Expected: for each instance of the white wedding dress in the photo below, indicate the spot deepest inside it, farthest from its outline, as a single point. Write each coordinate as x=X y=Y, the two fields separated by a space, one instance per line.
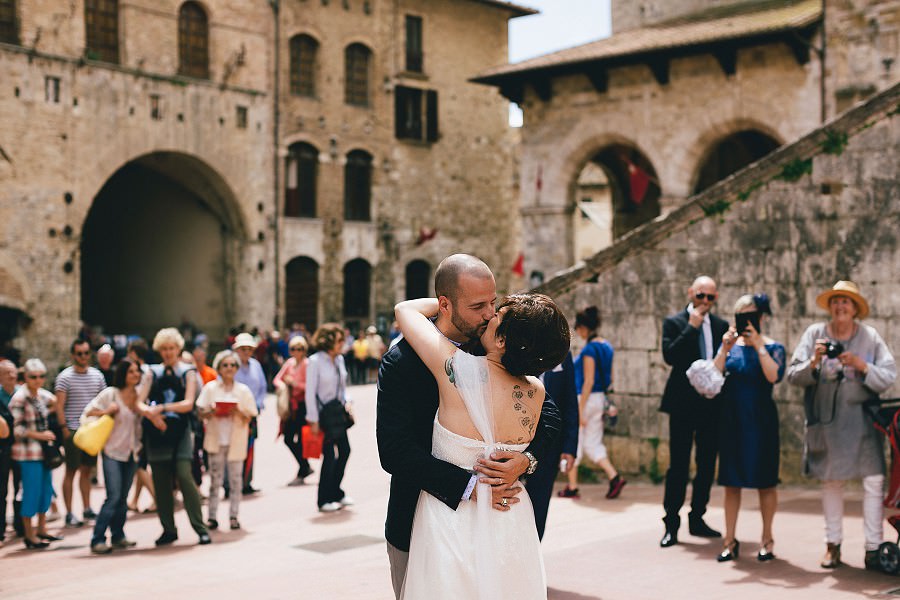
x=474 y=551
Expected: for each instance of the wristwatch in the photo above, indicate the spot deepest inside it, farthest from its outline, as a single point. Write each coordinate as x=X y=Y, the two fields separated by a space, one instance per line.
x=532 y=463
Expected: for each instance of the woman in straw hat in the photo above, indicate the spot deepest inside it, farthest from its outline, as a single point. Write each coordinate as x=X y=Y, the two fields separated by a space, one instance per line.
x=842 y=363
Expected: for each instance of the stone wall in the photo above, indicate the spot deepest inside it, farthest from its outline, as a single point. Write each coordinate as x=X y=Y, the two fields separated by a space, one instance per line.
x=824 y=208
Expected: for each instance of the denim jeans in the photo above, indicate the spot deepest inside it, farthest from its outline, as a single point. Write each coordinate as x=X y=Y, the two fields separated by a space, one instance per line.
x=117 y=477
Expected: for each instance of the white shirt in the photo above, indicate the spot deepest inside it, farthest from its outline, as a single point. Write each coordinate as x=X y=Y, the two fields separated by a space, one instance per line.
x=706 y=328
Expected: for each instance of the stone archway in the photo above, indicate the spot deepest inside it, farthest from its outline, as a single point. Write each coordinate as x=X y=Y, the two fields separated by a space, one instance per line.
x=730 y=154
x=616 y=190
x=159 y=246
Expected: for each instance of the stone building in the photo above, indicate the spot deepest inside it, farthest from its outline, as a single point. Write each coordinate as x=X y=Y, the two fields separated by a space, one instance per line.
x=242 y=162
x=684 y=93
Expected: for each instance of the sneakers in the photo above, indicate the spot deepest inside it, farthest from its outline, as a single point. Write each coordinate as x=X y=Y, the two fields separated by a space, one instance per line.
x=615 y=487
x=568 y=492
x=53 y=515
x=89 y=515
x=123 y=544
x=347 y=501
x=832 y=558
x=100 y=548
x=72 y=521
x=330 y=507
x=204 y=539
x=296 y=481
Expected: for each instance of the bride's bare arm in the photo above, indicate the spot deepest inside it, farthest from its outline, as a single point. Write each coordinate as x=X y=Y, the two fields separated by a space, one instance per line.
x=414 y=319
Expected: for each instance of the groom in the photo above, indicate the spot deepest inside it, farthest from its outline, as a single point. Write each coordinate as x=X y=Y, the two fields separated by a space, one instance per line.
x=408 y=402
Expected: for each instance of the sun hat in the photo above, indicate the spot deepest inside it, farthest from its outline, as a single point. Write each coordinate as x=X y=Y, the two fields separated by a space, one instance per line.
x=848 y=289
x=371 y=329
x=243 y=340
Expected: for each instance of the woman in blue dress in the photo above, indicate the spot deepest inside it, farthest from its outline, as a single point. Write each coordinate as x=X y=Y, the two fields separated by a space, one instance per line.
x=748 y=446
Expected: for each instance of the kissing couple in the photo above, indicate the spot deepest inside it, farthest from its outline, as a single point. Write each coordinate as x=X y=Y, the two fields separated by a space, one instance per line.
x=461 y=417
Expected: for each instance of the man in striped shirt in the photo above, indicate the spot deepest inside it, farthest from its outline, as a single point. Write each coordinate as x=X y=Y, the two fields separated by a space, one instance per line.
x=76 y=386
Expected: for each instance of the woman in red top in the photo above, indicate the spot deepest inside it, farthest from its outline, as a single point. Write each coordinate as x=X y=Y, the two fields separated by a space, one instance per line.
x=293 y=375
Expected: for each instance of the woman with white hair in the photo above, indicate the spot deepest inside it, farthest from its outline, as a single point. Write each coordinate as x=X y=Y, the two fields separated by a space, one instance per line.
x=227 y=407
x=31 y=406
x=170 y=447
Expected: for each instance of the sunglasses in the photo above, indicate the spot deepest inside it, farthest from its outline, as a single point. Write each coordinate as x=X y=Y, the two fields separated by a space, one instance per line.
x=232 y=365
x=82 y=353
x=41 y=376
x=298 y=349
x=710 y=297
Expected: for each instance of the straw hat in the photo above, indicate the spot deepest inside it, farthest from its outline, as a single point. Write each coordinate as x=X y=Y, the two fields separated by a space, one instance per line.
x=243 y=340
x=848 y=289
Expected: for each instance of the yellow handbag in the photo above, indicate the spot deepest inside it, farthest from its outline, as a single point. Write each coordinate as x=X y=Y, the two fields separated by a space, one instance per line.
x=92 y=437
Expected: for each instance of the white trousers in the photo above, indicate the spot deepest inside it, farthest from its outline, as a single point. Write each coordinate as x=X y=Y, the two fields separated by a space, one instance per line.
x=872 y=508
x=590 y=437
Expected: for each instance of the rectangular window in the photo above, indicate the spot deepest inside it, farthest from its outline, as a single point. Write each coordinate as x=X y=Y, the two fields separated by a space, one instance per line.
x=51 y=89
x=9 y=29
x=414 y=51
x=241 y=117
x=101 y=20
x=416 y=114
x=155 y=107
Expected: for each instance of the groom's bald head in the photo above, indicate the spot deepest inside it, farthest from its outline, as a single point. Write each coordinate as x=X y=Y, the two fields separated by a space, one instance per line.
x=454 y=270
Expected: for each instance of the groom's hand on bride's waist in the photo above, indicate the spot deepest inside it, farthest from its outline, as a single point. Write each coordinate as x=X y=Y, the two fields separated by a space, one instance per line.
x=504 y=466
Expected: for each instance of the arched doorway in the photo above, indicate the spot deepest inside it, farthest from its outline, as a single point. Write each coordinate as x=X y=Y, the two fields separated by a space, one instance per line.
x=159 y=247
x=731 y=154
x=357 y=289
x=418 y=279
x=614 y=192
x=301 y=292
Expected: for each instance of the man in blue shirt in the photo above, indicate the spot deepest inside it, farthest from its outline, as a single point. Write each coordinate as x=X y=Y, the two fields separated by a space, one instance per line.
x=252 y=375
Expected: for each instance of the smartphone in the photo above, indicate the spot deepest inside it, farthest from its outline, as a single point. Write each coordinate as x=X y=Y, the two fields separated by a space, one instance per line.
x=741 y=321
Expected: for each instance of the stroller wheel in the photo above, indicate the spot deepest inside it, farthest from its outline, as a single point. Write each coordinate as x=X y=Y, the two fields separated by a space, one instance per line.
x=889 y=558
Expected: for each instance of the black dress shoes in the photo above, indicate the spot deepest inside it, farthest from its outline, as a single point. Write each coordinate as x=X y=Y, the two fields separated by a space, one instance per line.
x=699 y=528
x=669 y=539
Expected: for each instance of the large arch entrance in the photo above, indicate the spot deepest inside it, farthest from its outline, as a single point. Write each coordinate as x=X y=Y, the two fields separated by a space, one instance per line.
x=731 y=154
x=159 y=247
x=614 y=192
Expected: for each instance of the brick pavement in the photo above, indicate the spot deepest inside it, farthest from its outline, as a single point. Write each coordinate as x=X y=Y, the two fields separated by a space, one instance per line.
x=595 y=549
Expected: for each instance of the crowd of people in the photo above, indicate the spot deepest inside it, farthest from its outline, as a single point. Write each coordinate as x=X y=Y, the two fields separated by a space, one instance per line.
x=179 y=417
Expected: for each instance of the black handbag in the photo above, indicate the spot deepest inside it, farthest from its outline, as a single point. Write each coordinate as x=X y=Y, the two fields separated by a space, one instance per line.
x=52 y=456
x=168 y=387
x=334 y=419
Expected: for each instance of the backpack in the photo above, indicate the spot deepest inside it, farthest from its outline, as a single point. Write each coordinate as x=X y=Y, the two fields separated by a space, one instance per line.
x=168 y=386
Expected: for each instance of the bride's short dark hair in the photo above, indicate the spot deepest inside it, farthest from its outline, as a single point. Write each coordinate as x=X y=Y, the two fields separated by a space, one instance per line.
x=536 y=334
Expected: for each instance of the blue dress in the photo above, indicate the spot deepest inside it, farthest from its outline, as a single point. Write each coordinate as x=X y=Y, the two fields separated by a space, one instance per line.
x=748 y=443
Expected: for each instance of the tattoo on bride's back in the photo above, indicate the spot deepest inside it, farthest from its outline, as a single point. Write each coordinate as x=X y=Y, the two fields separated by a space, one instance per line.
x=525 y=418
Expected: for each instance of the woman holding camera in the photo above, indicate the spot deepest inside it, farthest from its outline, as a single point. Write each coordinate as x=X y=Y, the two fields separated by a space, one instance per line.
x=842 y=363
x=749 y=445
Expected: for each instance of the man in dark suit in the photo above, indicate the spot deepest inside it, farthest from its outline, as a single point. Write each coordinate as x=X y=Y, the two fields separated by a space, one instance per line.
x=560 y=385
x=689 y=335
x=408 y=402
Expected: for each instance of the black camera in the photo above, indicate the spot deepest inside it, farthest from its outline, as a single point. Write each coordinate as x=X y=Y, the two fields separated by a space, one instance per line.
x=833 y=349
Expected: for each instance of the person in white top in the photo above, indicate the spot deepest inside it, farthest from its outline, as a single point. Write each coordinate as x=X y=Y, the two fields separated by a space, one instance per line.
x=227 y=407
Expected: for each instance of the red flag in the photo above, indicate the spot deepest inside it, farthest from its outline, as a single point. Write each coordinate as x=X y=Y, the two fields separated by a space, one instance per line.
x=426 y=234
x=519 y=267
x=539 y=183
x=639 y=182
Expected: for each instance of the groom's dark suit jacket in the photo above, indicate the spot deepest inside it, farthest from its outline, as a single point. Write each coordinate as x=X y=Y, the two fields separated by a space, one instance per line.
x=407 y=405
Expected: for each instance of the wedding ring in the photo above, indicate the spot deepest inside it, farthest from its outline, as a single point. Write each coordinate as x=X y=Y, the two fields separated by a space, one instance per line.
x=504 y=502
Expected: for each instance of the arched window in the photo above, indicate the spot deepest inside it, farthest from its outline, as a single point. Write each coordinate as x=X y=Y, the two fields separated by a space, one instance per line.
x=732 y=154
x=304 y=51
x=9 y=25
x=301 y=173
x=101 y=29
x=357 y=281
x=418 y=276
x=301 y=292
x=358 y=186
x=356 y=76
x=193 y=41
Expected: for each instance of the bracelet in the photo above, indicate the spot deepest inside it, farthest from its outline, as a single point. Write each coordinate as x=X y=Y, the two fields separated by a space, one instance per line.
x=762 y=351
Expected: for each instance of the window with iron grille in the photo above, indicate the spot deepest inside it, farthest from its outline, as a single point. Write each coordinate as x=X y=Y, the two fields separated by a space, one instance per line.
x=357 y=284
x=414 y=51
x=9 y=25
x=356 y=77
x=101 y=24
x=304 y=51
x=358 y=186
x=302 y=172
x=415 y=114
x=241 y=117
x=193 y=41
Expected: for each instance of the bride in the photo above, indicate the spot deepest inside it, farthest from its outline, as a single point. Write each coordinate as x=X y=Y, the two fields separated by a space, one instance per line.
x=486 y=403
